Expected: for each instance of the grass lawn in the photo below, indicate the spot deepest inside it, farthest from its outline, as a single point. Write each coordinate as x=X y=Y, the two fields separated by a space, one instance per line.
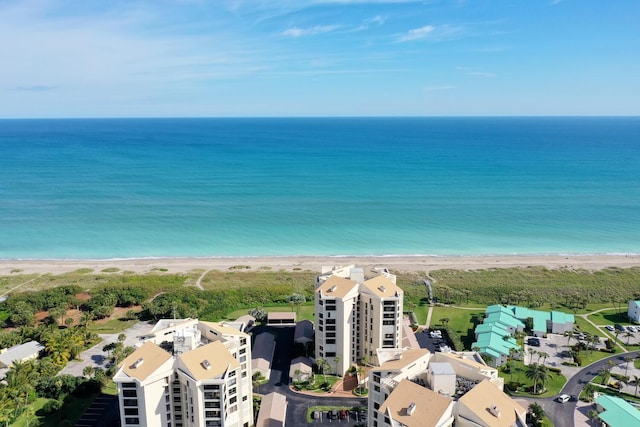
x=460 y=320
x=307 y=311
x=610 y=317
x=587 y=327
x=113 y=326
x=553 y=385
x=72 y=410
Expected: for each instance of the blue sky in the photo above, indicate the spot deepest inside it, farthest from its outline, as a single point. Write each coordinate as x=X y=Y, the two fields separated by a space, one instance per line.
x=159 y=58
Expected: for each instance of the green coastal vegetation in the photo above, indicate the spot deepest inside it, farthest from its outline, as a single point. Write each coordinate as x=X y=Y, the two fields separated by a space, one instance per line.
x=66 y=312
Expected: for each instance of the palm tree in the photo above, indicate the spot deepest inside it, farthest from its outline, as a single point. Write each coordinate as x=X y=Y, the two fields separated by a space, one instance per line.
x=635 y=380
x=569 y=335
x=538 y=374
x=336 y=360
x=322 y=365
x=359 y=373
x=589 y=389
x=593 y=415
x=365 y=360
x=543 y=355
x=626 y=367
x=531 y=353
x=628 y=335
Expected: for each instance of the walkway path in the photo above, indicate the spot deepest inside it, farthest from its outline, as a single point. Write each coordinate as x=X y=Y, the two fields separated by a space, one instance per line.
x=199 y=281
x=20 y=285
x=429 y=313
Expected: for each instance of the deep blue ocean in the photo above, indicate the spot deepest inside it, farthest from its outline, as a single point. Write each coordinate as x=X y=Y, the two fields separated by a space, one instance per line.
x=120 y=188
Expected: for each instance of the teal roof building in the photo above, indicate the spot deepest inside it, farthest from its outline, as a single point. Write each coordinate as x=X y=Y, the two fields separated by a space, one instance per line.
x=617 y=412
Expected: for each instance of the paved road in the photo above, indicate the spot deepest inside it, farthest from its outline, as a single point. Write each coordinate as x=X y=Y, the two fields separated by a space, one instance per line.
x=298 y=404
x=562 y=414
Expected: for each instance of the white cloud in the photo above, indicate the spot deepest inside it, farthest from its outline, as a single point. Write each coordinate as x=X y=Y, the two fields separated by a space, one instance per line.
x=310 y=31
x=417 y=33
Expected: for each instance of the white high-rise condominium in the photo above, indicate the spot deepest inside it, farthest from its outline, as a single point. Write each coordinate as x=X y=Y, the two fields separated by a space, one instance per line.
x=204 y=380
x=356 y=316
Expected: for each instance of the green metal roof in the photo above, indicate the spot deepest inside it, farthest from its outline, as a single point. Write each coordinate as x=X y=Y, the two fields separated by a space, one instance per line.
x=539 y=317
x=618 y=412
x=493 y=343
x=560 y=317
x=492 y=327
x=506 y=319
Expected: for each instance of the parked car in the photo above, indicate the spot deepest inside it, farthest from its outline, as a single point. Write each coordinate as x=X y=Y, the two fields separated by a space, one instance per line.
x=534 y=342
x=610 y=328
x=619 y=327
x=631 y=328
x=563 y=398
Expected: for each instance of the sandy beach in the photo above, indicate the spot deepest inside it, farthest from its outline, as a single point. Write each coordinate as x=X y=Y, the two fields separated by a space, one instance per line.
x=397 y=263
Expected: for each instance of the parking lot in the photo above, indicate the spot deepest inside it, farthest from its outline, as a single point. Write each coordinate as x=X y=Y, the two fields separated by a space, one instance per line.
x=556 y=347
x=332 y=416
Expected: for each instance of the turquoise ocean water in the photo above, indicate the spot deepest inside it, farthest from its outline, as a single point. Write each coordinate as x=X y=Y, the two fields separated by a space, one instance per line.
x=326 y=186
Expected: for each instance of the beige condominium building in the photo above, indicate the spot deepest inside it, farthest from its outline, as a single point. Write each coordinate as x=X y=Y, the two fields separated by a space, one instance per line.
x=188 y=373
x=413 y=387
x=356 y=315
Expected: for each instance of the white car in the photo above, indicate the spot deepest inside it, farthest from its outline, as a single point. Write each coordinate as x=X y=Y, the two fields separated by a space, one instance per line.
x=609 y=328
x=564 y=398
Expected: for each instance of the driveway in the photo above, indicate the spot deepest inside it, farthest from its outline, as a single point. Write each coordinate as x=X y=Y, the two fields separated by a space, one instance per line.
x=97 y=358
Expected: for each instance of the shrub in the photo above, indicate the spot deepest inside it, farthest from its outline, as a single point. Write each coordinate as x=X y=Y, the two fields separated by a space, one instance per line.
x=52 y=406
x=554 y=369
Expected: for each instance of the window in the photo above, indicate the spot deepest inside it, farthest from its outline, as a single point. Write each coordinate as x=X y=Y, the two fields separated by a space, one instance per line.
x=331 y=321
x=330 y=335
x=130 y=402
x=132 y=420
x=331 y=354
x=131 y=411
x=129 y=393
x=212 y=387
x=331 y=328
x=389 y=315
x=388 y=322
x=331 y=341
x=128 y=385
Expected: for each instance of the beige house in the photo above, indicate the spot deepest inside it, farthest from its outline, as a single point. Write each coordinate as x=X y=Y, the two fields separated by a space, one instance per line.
x=204 y=381
x=273 y=411
x=356 y=316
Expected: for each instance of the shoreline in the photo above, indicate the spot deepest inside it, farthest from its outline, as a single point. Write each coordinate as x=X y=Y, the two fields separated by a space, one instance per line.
x=400 y=263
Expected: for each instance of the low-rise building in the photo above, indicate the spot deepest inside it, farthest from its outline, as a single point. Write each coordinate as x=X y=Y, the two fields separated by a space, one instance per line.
x=273 y=411
x=616 y=412
x=20 y=353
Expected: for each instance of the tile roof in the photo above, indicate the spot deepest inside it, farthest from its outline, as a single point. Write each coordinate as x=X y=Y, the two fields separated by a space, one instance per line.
x=430 y=406
x=215 y=353
x=408 y=356
x=151 y=356
x=336 y=286
x=484 y=396
x=383 y=287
